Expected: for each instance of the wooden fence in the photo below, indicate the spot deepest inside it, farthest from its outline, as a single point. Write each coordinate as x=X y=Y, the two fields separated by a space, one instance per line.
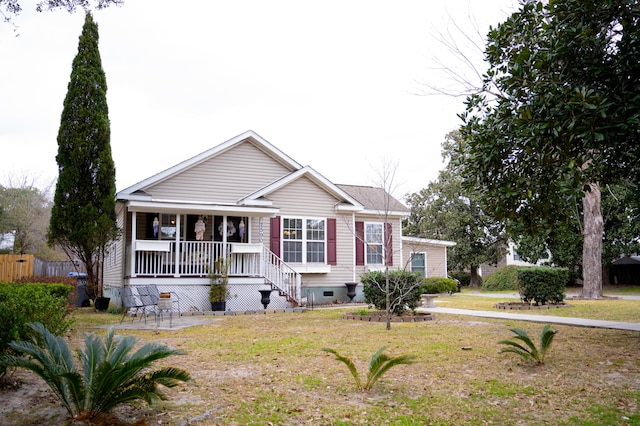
x=15 y=266
x=43 y=268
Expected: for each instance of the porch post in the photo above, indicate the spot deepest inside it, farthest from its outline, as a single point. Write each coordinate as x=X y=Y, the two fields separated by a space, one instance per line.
x=224 y=236
x=134 y=218
x=178 y=247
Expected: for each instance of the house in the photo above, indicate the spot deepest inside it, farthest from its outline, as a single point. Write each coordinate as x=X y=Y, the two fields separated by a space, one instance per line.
x=511 y=257
x=280 y=225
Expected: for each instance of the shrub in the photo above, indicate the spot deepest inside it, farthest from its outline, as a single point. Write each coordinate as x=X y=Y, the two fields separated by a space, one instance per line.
x=542 y=284
x=505 y=278
x=529 y=351
x=109 y=375
x=24 y=303
x=435 y=285
x=404 y=290
x=380 y=363
x=72 y=281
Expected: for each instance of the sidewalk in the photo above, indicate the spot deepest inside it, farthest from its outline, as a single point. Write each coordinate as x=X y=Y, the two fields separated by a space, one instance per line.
x=548 y=319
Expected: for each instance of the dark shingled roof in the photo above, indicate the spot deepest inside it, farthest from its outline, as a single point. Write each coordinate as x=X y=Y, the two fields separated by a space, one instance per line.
x=375 y=199
x=628 y=260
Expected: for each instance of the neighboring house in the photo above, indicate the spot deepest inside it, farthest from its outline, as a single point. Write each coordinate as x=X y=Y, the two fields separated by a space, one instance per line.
x=280 y=225
x=6 y=241
x=511 y=257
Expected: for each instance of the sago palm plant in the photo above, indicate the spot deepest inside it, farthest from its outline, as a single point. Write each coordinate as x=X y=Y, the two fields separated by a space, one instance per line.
x=110 y=374
x=378 y=365
x=529 y=351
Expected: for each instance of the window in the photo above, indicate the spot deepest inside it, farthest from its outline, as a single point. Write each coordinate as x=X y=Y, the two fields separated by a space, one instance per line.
x=516 y=256
x=419 y=263
x=168 y=226
x=315 y=240
x=292 y=240
x=374 y=239
x=303 y=240
x=160 y=226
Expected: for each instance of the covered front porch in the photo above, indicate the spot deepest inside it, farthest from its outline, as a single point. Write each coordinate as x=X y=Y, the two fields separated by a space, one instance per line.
x=180 y=249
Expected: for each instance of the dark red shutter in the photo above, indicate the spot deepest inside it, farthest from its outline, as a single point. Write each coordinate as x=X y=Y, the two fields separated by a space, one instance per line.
x=388 y=239
x=274 y=244
x=331 y=242
x=359 y=243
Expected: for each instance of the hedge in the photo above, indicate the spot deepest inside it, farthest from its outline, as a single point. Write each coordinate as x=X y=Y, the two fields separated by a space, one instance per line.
x=541 y=284
x=505 y=278
x=24 y=303
x=435 y=285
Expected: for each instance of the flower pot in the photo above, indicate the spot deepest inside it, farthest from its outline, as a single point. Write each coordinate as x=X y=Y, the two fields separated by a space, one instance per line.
x=219 y=306
x=101 y=303
x=351 y=290
x=265 y=297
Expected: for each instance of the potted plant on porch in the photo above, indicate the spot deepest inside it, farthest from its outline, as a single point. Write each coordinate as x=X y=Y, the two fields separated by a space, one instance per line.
x=219 y=290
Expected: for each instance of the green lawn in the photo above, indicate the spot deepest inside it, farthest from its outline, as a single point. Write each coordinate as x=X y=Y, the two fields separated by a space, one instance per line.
x=271 y=370
x=604 y=309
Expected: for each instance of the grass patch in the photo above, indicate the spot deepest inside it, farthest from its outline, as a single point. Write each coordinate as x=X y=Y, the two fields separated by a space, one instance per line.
x=262 y=369
x=604 y=309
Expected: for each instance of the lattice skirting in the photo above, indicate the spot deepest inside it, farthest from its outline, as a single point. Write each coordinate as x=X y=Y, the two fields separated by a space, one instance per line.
x=195 y=298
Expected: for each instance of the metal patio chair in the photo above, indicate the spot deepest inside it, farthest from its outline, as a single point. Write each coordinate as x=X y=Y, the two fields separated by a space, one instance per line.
x=137 y=302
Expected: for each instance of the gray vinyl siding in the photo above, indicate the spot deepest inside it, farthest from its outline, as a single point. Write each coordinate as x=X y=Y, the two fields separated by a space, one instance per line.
x=115 y=259
x=303 y=198
x=436 y=258
x=225 y=178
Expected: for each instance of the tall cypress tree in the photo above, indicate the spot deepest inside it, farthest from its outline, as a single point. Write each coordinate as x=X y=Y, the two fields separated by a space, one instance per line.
x=83 y=216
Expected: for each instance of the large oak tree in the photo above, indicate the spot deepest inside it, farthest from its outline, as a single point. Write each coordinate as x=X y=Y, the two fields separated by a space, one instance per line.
x=566 y=120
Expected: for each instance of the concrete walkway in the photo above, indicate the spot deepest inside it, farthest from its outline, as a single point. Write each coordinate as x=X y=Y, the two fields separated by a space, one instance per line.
x=548 y=319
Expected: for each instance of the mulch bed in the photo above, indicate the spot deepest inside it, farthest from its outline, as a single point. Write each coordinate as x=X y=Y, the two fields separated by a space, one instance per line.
x=529 y=306
x=382 y=317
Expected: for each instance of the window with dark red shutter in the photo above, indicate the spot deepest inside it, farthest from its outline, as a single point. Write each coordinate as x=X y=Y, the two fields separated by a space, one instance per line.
x=274 y=243
x=359 y=243
x=331 y=242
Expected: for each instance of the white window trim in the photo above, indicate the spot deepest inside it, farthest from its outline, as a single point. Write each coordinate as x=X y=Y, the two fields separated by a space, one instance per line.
x=366 y=245
x=304 y=240
x=424 y=253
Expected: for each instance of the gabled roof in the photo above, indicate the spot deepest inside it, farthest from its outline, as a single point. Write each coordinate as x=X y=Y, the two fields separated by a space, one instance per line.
x=259 y=141
x=375 y=200
x=346 y=201
x=362 y=199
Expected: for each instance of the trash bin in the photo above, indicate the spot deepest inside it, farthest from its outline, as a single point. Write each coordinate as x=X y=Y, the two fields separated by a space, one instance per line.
x=82 y=299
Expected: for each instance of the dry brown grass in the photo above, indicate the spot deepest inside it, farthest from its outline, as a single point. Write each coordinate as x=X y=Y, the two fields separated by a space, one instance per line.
x=269 y=369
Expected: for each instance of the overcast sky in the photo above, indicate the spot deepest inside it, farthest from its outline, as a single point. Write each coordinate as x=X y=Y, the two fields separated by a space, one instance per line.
x=333 y=84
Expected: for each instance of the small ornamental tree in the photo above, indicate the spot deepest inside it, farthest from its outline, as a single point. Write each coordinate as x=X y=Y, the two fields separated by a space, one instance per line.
x=83 y=214
x=404 y=290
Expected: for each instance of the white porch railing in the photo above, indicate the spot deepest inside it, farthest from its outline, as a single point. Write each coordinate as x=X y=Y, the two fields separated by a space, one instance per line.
x=281 y=275
x=197 y=258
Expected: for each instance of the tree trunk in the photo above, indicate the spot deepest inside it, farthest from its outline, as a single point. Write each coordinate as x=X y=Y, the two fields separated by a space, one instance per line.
x=593 y=231
x=388 y=301
x=474 y=280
